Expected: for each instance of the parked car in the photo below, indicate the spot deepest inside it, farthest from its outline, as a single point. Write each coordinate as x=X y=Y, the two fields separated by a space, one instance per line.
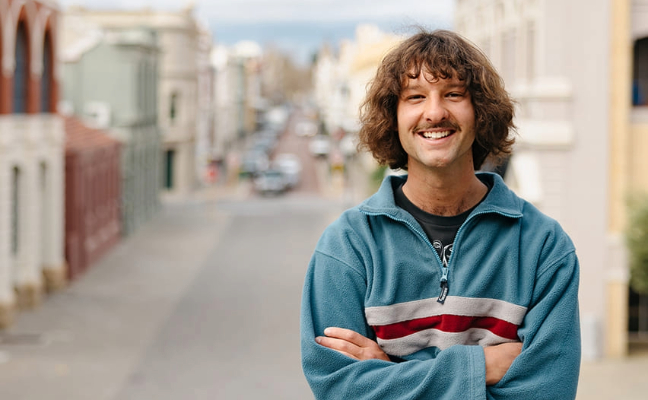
x=290 y=165
x=254 y=162
x=270 y=181
x=306 y=128
x=320 y=146
x=265 y=142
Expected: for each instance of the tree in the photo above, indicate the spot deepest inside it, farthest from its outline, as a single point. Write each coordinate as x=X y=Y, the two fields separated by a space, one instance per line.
x=637 y=242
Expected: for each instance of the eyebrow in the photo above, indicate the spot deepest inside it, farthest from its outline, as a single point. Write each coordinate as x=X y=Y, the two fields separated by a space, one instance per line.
x=452 y=86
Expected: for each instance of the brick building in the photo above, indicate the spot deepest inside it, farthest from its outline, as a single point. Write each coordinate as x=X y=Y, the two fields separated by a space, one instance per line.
x=92 y=195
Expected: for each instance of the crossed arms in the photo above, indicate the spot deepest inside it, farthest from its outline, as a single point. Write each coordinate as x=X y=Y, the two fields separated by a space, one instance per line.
x=340 y=359
x=498 y=359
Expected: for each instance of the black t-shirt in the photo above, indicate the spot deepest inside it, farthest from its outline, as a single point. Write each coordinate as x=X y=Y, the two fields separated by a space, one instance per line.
x=439 y=229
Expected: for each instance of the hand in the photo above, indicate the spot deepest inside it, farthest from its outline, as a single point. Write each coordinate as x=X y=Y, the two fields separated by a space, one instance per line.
x=499 y=359
x=351 y=344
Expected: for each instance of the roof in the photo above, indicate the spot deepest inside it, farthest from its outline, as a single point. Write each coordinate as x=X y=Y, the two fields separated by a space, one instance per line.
x=79 y=136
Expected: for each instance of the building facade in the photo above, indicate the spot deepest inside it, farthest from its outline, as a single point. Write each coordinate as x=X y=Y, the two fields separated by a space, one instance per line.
x=340 y=78
x=580 y=140
x=178 y=98
x=628 y=137
x=179 y=36
x=228 y=98
x=237 y=100
x=31 y=156
x=111 y=83
x=340 y=81
x=92 y=195
x=206 y=105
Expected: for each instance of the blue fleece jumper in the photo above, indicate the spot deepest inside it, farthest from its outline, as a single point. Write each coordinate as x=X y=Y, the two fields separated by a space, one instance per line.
x=512 y=276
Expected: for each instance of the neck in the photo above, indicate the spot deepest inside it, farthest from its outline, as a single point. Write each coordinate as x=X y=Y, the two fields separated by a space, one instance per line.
x=444 y=193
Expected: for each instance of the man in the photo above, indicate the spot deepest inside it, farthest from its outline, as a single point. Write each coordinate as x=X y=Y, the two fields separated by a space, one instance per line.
x=444 y=284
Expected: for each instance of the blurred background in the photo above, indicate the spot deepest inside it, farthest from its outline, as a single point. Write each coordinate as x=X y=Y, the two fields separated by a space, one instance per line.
x=167 y=167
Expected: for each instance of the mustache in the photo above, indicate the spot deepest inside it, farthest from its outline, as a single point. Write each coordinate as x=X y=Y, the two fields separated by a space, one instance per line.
x=440 y=125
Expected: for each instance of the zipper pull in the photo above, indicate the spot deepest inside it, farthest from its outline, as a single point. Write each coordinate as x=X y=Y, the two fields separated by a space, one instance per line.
x=444 y=292
x=444 y=286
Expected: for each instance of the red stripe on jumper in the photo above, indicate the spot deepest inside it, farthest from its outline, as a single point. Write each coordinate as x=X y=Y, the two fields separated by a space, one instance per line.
x=447 y=323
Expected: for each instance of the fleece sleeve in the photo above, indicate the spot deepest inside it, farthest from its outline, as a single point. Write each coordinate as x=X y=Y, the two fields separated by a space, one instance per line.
x=333 y=295
x=549 y=364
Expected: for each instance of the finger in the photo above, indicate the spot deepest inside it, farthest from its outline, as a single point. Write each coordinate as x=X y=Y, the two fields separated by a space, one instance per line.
x=348 y=335
x=352 y=350
x=340 y=345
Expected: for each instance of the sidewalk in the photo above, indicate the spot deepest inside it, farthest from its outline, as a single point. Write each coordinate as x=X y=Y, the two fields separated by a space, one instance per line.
x=620 y=379
x=84 y=342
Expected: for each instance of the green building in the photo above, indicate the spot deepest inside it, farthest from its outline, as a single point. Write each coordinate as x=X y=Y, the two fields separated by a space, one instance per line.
x=111 y=82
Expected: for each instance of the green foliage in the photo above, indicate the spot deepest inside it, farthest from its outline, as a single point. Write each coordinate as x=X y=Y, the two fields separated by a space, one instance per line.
x=637 y=242
x=377 y=177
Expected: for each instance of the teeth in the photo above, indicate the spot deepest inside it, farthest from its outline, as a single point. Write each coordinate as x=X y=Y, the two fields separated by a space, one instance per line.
x=435 y=135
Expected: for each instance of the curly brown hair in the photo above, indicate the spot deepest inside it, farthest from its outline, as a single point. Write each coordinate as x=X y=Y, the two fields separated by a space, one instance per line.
x=444 y=55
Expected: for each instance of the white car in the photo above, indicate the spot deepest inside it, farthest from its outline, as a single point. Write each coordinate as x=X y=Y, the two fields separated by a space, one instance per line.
x=306 y=128
x=270 y=181
x=290 y=165
x=320 y=146
x=254 y=162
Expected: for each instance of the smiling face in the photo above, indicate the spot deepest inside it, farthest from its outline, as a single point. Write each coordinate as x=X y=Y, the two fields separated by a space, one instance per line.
x=436 y=123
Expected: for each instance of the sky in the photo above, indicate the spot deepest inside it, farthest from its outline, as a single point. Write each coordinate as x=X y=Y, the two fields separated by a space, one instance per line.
x=299 y=27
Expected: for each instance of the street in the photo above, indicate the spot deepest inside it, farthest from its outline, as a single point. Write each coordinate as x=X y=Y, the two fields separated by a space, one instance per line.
x=203 y=303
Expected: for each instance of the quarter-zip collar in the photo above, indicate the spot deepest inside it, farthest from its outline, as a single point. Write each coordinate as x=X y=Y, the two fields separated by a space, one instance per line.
x=500 y=199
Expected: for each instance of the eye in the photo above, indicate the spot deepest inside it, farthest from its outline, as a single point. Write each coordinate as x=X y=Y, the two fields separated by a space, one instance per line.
x=414 y=97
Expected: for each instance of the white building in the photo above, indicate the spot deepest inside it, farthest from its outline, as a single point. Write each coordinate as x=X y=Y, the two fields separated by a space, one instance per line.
x=341 y=81
x=228 y=97
x=31 y=156
x=555 y=59
x=237 y=98
x=206 y=104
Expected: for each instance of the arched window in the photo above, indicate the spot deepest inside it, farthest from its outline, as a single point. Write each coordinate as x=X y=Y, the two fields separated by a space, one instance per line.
x=2 y=98
x=47 y=77
x=21 y=73
x=640 y=73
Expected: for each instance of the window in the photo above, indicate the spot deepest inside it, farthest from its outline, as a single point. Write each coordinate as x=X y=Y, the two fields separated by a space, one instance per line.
x=637 y=314
x=44 y=210
x=15 y=211
x=21 y=72
x=640 y=73
x=1 y=63
x=173 y=108
x=46 y=78
x=141 y=88
x=168 y=175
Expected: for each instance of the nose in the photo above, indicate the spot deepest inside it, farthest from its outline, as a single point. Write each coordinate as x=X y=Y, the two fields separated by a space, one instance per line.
x=435 y=111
